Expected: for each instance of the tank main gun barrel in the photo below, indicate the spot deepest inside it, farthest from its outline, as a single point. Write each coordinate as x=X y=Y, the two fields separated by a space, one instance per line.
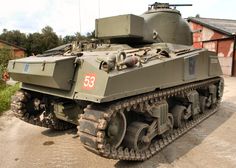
x=180 y=4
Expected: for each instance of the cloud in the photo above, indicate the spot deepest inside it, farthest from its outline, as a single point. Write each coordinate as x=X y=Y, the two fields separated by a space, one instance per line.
x=69 y=16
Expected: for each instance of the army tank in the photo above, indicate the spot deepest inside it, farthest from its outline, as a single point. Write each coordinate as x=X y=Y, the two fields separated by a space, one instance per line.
x=130 y=97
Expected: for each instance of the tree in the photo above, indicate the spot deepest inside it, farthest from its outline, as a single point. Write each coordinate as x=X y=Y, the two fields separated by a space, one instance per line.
x=14 y=37
x=5 y=56
x=37 y=43
x=91 y=35
x=80 y=37
x=34 y=44
x=4 y=30
x=49 y=38
x=60 y=40
x=68 y=39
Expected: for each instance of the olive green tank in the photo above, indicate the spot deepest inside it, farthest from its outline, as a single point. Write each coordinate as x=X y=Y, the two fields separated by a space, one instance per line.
x=130 y=97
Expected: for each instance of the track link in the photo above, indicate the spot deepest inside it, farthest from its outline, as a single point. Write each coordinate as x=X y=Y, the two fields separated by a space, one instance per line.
x=18 y=107
x=94 y=121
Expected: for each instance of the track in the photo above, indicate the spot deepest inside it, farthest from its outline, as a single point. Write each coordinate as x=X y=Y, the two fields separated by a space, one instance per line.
x=94 y=122
x=36 y=117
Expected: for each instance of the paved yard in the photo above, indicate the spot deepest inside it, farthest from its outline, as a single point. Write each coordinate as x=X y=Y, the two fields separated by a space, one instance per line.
x=210 y=144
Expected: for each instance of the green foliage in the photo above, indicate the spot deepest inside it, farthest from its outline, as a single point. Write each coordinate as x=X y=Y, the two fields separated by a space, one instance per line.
x=78 y=37
x=37 y=43
x=34 y=44
x=5 y=96
x=91 y=35
x=5 y=56
x=68 y=39
x=14 y=37
x=49 y=38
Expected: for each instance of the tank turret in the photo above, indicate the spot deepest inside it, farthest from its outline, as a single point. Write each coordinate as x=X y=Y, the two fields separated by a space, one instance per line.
x=160 y=23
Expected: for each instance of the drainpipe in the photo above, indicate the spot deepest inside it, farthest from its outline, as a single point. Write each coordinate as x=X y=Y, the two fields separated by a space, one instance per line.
x=234 y=56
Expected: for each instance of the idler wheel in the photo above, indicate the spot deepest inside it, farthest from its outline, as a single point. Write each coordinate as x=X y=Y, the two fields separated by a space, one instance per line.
x=116 y=129
x=134 y=138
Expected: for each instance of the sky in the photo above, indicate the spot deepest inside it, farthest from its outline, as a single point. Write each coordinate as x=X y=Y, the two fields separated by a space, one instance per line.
x=67 y=17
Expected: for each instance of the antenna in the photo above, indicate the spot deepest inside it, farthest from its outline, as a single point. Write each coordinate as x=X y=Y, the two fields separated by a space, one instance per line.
x=98 y=8
x=79 y=18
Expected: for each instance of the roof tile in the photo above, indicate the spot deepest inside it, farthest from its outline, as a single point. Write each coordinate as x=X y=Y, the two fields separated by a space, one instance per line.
x=225 y=26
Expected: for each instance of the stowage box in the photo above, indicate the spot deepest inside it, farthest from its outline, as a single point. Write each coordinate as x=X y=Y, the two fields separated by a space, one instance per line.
x=120 y=26
x=54 y=71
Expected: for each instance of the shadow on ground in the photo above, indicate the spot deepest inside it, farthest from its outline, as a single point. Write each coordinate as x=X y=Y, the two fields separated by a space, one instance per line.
x=54 y=133
x=187 y=142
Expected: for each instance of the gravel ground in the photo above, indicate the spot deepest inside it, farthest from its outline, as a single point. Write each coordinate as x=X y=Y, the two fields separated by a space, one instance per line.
x=210 y=144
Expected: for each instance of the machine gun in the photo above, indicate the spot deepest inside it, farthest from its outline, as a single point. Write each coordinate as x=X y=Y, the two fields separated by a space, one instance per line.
x=158 y=5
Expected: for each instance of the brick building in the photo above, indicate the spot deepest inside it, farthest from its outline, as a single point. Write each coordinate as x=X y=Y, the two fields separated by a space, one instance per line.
x=17 y=51
x=217 y=35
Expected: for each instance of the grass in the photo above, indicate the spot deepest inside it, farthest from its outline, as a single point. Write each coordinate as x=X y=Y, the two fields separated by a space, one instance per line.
x=5 y=96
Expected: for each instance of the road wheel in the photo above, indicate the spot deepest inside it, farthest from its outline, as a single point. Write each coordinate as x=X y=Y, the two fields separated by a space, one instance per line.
x=134 y=138
x=116 y=129
x=178 y=113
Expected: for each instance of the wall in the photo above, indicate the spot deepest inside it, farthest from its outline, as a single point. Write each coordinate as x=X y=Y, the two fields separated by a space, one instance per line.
x=17 y=52
x=215 y=41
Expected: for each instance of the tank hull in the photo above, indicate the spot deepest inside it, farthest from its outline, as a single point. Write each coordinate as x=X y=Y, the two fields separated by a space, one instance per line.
x=156 y=74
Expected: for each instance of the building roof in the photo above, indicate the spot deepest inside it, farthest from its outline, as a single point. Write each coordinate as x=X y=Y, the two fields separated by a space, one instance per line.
x=13 y=45
x=225 y=26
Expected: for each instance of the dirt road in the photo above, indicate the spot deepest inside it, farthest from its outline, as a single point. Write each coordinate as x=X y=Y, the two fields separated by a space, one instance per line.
x=210 y=144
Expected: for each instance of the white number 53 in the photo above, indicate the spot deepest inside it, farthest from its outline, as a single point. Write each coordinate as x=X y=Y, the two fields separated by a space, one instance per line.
x=89 y=81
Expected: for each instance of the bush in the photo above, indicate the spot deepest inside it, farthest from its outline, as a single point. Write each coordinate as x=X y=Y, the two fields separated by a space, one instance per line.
x=5 y=96
x=5 y=91
x=5 y=56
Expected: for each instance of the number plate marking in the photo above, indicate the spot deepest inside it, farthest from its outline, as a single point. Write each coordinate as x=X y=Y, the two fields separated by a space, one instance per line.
x=89 y=81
